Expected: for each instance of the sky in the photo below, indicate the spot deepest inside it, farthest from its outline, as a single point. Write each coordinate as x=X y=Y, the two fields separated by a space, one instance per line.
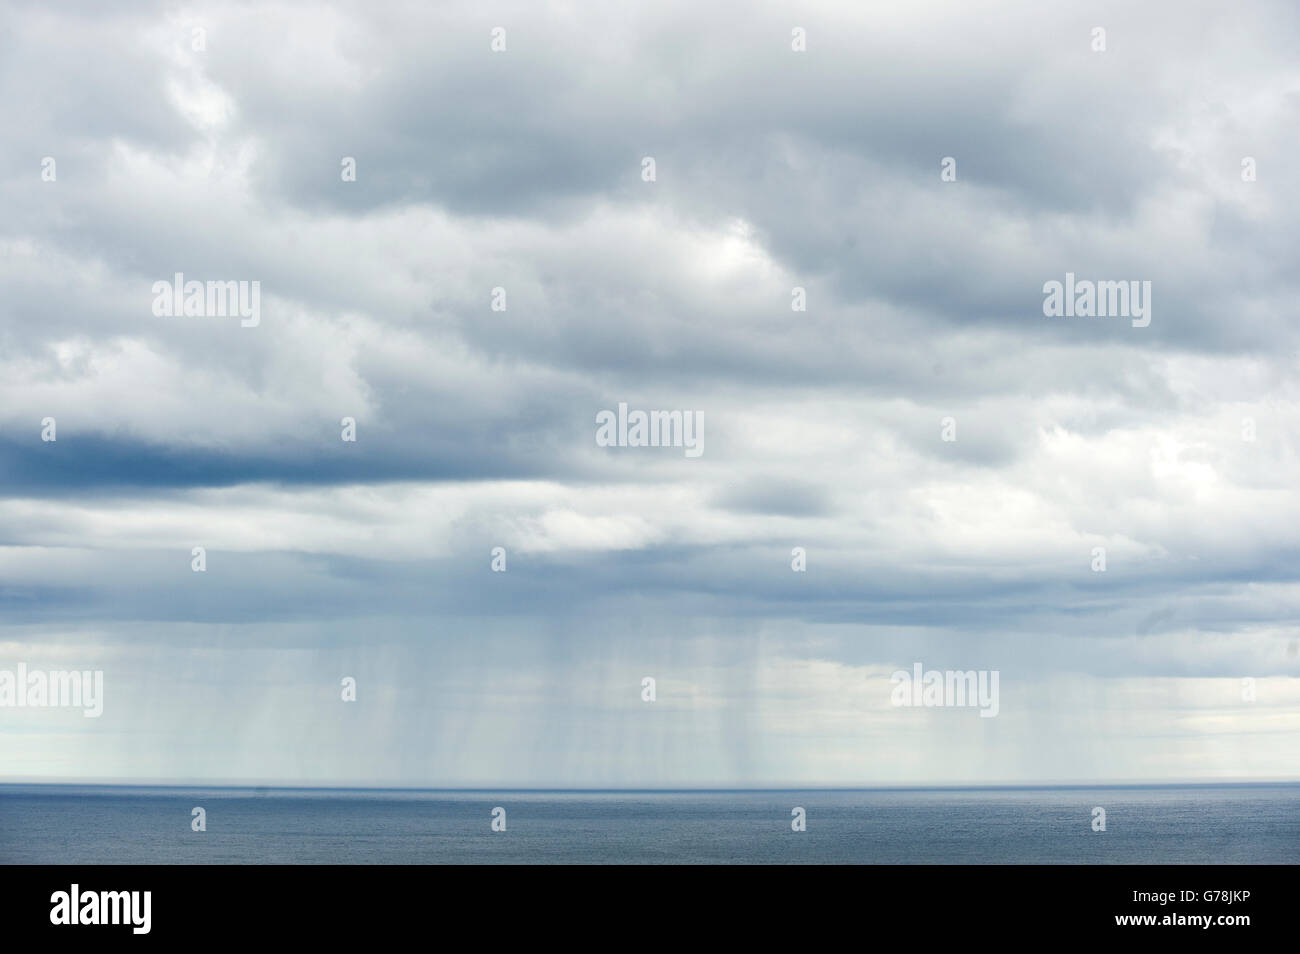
x=953 y=464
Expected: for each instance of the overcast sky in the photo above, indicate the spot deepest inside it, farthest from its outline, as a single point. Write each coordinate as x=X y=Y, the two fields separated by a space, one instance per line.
x=774 y=168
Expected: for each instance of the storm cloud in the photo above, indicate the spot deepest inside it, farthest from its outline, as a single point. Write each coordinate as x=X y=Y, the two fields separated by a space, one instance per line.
x=949 y=460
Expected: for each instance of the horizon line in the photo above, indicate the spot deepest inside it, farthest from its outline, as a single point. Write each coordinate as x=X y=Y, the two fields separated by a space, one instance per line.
x=954 y=786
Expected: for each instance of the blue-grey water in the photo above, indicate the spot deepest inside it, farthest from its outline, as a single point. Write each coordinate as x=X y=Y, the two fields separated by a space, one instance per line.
x=1203 y=824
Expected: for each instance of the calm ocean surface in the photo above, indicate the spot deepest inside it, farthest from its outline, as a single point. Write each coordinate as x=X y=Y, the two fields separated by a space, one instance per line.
x=1210 y=824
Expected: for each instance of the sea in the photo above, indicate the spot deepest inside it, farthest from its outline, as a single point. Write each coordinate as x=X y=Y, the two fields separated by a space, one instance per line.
x=1157 y=824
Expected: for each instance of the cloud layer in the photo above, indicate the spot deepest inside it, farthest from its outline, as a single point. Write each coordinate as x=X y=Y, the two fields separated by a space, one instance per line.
x=1175 y=447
